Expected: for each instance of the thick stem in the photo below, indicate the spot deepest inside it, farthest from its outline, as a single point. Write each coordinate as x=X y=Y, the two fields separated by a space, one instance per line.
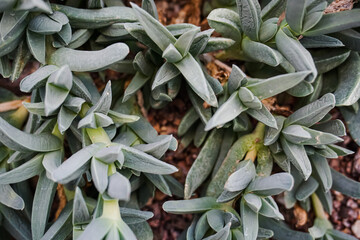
x=19 y=117
x=98 y=135
x=259 y=132
x=258 y=139
x=251 y=154
x=111 y=209
x=318 y=207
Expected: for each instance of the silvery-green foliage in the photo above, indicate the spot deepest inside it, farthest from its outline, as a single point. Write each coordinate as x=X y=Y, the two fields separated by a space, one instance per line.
x=178 y=52
x=246 y=96
x=72 y=133
x=299 y=134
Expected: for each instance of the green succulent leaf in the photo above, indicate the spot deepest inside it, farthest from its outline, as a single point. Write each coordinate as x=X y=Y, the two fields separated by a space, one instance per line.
x=197 y=205
x=159 y=182
x=321 y=41
x=36 y=45
x=253 y=201
x=260 y=52
x=306 y=188
x=37 y=79
x=313 y=112
x=157 y=32
x=10 y=198
x=345 y=185
x=97 y=229
x=95 y=18
x=322 y=171
x=62 y=227
x=273 y=9
x=282 y=231
x=133 y=216
x=335 y=22
x=271 y=185
x=119 y=187
x=14 y=30
x=85 y=61
x=226 y=22
x=268 y=29
x=295 y=13
x=15 y=222
x=296 y=54
x=136 y=83
x=158 y=148
x=34 y=4
x=335 y=127
x=297 y=156
x=320 y=138
x=314 y=13
x=263 y=115
x=202 y=226
x=23 y=172
x=187 y=121
x=250 y=222
x=236 y=79
x=327 y=60
x=80 y=211
x=226 y=112
x=223 y=233
x=171 y=54
x=296 y=134
x=270 y=210
x=250 y=18
x=184 y=42
x=44 y=194
x=228 y=165
x=350 y=38
x=73 y=166
x=99 y=174
x=195 y=77
x=272 y=134
x=351 y=120
x=215 y=219
x=264 y=89
x=320 y=227
x=339 y=235
x=79 y=38
x=165 y=74
x=203 y=164
x=347 y=92
x=241 y=178
x=143 y=162
x=25 y=142
x=57 y=89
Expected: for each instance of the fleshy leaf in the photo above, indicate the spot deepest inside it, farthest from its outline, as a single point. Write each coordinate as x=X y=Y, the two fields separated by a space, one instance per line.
x=25 y=142
x=241 y=178
x=226 y=112
x=348 y=90
x=85 y=61
x=197 y=205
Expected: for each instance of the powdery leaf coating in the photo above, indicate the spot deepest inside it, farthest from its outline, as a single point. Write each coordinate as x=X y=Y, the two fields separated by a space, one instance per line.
x=87 y=61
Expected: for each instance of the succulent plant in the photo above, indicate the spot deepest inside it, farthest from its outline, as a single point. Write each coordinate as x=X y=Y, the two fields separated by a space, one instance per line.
x=95 y=143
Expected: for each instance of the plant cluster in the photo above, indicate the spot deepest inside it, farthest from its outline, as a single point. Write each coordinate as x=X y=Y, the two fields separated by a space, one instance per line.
x=70 y=133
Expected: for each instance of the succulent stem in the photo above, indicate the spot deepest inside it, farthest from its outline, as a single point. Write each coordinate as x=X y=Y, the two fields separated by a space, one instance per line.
x=318 y=207
x=111 y=209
